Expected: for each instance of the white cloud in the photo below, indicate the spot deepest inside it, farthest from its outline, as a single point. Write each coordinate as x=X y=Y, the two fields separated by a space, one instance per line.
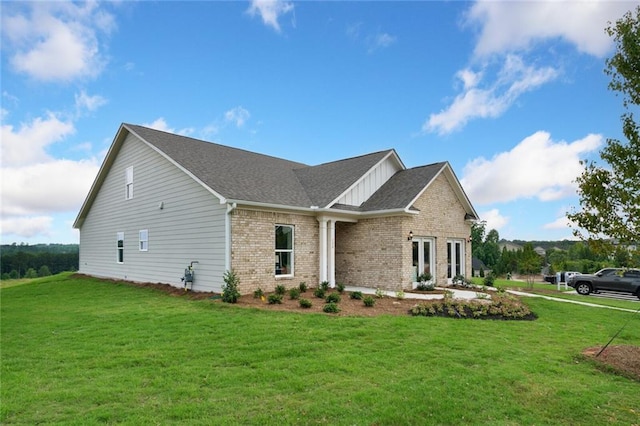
x=493 y=219
x=237 y=115
x=27 y=227
x=513 y=79
x=380 y=41
x=161 y=124
x=507 y=26
x=85 y=102
x=270 y=11
x=560 y=223
x=55 y=41
x=537 y=167
x=28 y=144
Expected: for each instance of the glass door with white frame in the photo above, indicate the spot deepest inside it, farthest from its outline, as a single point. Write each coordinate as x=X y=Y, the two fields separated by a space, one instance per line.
x=455 y=259
x=423 y=257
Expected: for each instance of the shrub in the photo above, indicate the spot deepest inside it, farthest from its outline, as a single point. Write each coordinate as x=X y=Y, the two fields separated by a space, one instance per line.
x=274 y=299
x=230 y=293
x=305 y=303
x=425 y=277
x=324 y=285
x=258 y=294
x=369 y=301
x=280 y=289
x=303 y=287
x=400 y=294
x=319 y=293
x=489 y=279
x=294 y=293
x=379 y=293
x=357 y=295
x=31 y=273
x=426 y=286
x=340 y=287
x=501 y=307
x=331 y=308
x=333 y=298
x=44 y=271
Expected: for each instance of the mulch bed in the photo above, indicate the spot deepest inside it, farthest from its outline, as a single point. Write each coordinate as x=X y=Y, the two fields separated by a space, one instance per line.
x=621 y=359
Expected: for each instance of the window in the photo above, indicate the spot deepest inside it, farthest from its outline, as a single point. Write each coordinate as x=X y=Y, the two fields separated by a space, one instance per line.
x=120 y=246
x=284 y=250
x=423 y=257
x=129 y=183
x=144 y=240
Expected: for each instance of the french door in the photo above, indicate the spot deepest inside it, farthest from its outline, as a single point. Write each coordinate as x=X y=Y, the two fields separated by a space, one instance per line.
x=423 y=257
x=455 y=259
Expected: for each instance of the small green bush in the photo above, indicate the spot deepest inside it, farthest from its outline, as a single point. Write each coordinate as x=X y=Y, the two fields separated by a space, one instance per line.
x=426 y=286
x=305 y=303
x=294 y=293
x=340 y=287
x=280 y=289
x=274 y=299
x=230 y=293
x=369 y=301
x=333 y=298
x=303 y=287
x=319 y=293
x=489 y=279
x=331 y=308
x=257 y=294
x=324 y=285
x=357 y=295
x=379 y=293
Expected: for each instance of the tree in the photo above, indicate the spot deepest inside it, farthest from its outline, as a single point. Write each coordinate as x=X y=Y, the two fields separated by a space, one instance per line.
x=529 y=263
x=477 y=237
x=610 y=196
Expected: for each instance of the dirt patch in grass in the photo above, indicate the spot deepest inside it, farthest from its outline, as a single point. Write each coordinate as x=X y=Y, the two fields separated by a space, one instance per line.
x=621 y=359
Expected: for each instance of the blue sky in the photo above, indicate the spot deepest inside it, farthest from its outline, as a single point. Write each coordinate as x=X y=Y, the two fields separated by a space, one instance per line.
x=512 y=94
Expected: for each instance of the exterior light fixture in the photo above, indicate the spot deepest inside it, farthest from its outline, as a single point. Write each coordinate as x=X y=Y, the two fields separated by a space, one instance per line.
x=410 y=237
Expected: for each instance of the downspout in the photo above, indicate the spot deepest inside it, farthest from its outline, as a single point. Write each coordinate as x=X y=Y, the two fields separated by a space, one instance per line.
x=227 y=231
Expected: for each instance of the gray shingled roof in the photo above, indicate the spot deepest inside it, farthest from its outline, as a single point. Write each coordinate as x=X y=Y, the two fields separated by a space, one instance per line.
x=325 y=182
x=237 y=174
x=399 y=191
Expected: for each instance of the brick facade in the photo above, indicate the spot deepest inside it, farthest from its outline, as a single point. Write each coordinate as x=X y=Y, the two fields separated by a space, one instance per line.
x=253 y=249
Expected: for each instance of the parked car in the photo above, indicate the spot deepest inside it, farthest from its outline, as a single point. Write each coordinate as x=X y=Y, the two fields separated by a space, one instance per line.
x=609 y=279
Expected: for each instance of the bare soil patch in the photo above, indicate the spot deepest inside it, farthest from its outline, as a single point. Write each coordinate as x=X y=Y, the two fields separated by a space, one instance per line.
x=621 y=359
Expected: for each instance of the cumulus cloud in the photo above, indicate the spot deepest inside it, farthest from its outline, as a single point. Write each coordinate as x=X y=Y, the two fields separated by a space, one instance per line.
x=161 y=124
x=560 y=223
x=513 y=25
x=493 y=219
x=85 y=102
x=237 y=116
x=537 y=167
x=34 y=184
x=270 y=11
x=55 y=41
x=492 y=100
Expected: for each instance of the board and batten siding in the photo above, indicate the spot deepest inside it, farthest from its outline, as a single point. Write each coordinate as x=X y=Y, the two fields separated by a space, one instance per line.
x=370 y=183
x=185 y=223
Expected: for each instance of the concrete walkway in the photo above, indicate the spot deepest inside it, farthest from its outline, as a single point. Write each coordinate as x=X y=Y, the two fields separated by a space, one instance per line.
x=471 y=294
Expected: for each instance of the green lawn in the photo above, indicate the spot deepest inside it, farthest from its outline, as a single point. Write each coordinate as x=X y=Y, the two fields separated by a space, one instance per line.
x=82 y=351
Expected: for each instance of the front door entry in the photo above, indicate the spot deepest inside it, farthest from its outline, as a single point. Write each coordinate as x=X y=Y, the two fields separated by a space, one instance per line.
x=455 y=259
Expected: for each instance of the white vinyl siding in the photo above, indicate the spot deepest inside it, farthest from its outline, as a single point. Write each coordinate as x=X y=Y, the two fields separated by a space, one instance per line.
x=190 y=226
x=370 y=183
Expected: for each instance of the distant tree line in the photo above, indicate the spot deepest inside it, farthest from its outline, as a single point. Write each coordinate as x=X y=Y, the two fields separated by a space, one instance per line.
x=559 y=255
x=32 y=261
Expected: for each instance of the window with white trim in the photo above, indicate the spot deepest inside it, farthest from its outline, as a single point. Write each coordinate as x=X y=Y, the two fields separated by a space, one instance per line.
x=144 y=240
x=128 y=183
x=284 y=249
x=120 y=247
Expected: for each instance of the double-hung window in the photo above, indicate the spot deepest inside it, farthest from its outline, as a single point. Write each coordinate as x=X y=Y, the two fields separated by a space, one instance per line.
x=284 y=249
x=128 y=183
x=120 y=247
x=144 y=240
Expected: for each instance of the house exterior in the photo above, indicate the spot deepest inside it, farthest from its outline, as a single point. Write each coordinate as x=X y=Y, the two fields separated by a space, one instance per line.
x=161 y=202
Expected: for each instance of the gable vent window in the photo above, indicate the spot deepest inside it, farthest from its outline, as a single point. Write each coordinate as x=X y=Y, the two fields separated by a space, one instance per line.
x=284 y=250
x=129 y=183
x=144 y=240
x=120 y=247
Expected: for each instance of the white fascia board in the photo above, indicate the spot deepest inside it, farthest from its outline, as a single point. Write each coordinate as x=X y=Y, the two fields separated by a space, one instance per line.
x=392 y=153
x=187 y=172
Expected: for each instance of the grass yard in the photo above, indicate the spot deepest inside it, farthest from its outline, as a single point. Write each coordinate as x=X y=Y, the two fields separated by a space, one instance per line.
x=83 y=351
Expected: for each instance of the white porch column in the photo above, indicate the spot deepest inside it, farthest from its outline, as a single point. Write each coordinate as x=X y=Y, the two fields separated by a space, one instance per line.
x=322 y=249
x=332 y=253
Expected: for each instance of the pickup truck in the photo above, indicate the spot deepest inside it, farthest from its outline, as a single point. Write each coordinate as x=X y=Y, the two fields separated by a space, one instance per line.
x=609 y=279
